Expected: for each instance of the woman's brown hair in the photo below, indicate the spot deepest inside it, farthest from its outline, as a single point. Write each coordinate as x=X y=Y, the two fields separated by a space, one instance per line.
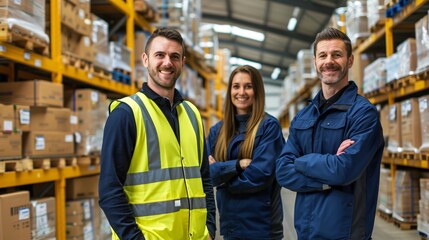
x=229 y=127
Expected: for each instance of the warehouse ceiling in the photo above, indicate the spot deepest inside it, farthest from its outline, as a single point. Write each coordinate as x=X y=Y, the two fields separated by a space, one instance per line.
x=270 y=17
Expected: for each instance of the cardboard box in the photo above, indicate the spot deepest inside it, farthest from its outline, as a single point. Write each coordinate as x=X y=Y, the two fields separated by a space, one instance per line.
x=15 y=216
x=10 y=145
x=48 y=144
x=50 y=119
x=6 y=118
x=79 y=211
x=89 y=99
x=74 y=122
x=43 y=225
x=394 y=141
x=410 y=125
x=21 y=118
x=82 y=187
x=424 y=122
x=80 y=232
x=32 y=93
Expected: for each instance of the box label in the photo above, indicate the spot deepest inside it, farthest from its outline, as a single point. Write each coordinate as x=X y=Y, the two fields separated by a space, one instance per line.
x=24 y=213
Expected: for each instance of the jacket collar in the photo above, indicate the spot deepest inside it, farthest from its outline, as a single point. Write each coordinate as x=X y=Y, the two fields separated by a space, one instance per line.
x=347 y=99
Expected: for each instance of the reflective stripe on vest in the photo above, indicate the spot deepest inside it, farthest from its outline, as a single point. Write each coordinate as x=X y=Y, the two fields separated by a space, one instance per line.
x=147 y=209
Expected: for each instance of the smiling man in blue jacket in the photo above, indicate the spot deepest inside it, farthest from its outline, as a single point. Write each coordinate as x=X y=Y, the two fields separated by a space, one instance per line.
x=333 y=153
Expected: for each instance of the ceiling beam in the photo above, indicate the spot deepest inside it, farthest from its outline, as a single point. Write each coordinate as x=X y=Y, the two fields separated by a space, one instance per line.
x=270 y=51
x=278 y=31
x=228 y=8
x=306 y=5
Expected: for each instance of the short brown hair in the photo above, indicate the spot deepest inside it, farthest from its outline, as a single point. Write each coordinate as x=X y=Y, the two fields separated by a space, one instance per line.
x=330 y=34
x=168 y=33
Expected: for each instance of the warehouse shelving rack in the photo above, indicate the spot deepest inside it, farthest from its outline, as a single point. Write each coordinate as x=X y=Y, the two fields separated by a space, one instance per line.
x=396 y=30
x=54 y=66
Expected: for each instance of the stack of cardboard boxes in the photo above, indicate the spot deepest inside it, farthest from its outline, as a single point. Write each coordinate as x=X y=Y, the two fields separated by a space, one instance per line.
x=24 y=18
x=76 y=29
x=91 y=109
x=83 y=215
x=38 y=116
x=15 y=216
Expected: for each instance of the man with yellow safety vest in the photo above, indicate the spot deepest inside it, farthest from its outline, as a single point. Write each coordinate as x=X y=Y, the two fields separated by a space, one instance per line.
x=154 y=177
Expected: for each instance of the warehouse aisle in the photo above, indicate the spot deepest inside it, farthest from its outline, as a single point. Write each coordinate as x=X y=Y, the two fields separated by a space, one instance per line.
x=383 y=230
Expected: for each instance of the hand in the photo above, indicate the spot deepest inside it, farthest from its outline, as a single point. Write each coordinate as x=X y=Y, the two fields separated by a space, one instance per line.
x=344 y=145
x=245 y=162
x=211 y=160
x=210 y=237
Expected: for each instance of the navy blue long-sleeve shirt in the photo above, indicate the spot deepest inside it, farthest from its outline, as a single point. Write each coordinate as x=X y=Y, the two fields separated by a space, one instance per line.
x=120 y=134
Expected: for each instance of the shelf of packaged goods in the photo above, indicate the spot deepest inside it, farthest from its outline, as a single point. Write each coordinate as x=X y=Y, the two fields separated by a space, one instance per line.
x=121 y=5
x=107 y=84
x=300 y=95
x=27 y=57
x=419 y=85
x=407 y=11
x=12 y=179
x=416 y=86
x=374 y=37
x=72 y=172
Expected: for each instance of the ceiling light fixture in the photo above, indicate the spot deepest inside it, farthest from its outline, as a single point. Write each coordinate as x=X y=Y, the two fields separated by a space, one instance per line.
x=294 y=19
x=234 y=61
x=292 y=24
x=241 y=32
x=275 y=73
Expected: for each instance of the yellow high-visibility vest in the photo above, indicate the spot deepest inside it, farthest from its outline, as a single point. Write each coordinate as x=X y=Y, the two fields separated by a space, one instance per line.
x=163 y=184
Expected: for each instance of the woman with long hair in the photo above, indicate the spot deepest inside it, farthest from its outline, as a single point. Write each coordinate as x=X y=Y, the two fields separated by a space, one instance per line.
x=243 y=149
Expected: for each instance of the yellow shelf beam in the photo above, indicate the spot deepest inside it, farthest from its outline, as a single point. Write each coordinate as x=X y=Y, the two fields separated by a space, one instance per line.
x=374 y=37
x=12 y=179
x=73 y=172
x=55 y=40
x=104 y=83
x=27 y=57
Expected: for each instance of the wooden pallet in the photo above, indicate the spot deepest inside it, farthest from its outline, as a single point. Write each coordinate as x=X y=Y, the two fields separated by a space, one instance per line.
x=407 y=81
x=423 y=73
x=424 y=156
x=404 y=225
x=53 y=162
x=410 y=155
x=11 y=166
x=392 y=85
x=100 y=72
x=88 y=160
x=75 y=61
x=385 y=216
x=393 y=155
x=23 y=38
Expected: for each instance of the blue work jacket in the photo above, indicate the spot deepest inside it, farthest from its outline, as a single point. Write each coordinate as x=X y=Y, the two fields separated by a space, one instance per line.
x=249 y=201
x=336 y=195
